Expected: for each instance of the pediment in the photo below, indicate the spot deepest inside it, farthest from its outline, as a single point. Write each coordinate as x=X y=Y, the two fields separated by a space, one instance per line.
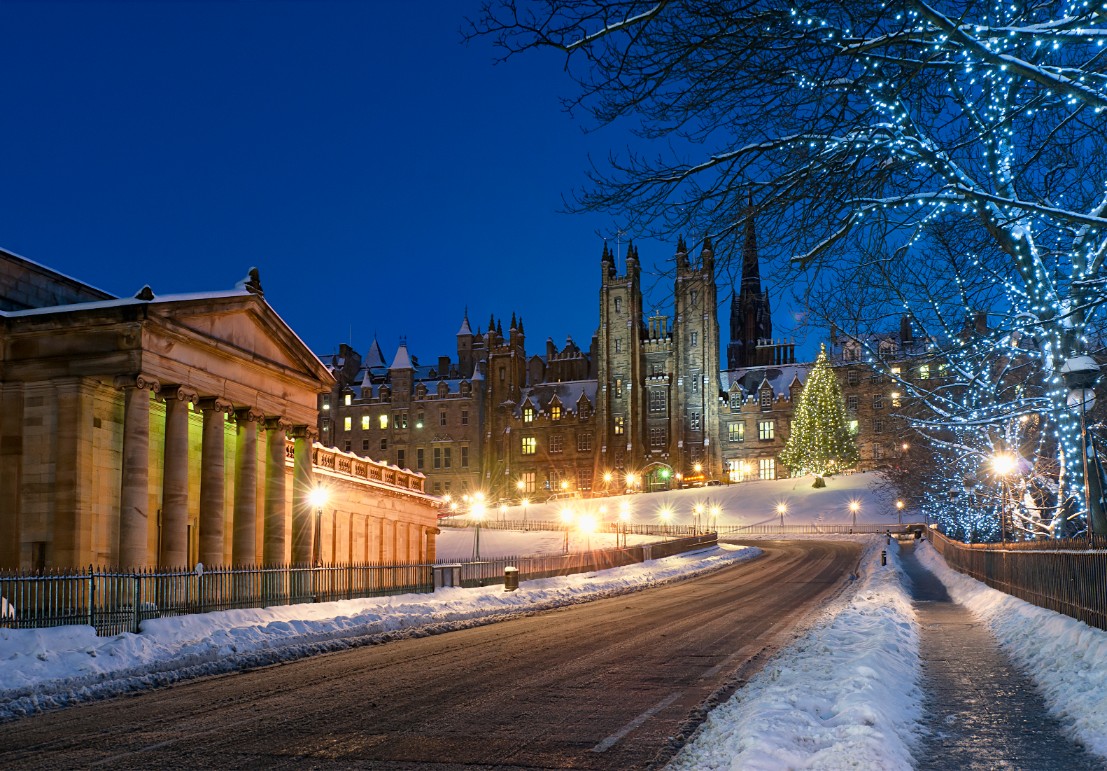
x=247 y=326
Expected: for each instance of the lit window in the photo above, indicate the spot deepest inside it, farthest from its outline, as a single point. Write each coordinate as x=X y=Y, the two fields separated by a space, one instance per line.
x=618 y=387
x=895 y=399
x=766 y=468
x=853 y=427
x=736 y=432
x=364 y=422
x=384 y=421
x=530 y=445
x=400 y=421
x=555 y=412
x=326 y=403
x=347 y=423
x=694 y=421
x=695 y=339
x=348 y=399
x=924 y=372
x=528 y=414
x=528 y=481
x=766 y=430
x=619 y=425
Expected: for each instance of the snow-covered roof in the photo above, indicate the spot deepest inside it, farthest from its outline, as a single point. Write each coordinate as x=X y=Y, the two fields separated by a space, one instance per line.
x=402 y=359
x=780 y=379
x=123 y=302
x=375 y=356
x=568 y=394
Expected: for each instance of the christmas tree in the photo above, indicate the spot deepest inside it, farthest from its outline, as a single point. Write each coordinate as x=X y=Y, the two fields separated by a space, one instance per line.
x=820 y=441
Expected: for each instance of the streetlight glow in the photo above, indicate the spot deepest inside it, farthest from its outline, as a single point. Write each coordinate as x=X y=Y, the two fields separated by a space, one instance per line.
x=317 y=497
x=1003 y=463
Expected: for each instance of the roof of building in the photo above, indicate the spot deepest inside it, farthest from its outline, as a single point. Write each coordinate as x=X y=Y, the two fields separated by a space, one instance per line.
x=780 y=379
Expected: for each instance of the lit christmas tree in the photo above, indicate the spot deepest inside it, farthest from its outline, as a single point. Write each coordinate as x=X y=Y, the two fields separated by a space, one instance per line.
x=820 y=442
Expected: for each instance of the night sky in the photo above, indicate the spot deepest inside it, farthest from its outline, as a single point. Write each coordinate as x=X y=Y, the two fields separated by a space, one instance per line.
x=381 y=174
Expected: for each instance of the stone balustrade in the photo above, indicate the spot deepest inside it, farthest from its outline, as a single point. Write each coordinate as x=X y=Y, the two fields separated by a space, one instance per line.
x=347 y=464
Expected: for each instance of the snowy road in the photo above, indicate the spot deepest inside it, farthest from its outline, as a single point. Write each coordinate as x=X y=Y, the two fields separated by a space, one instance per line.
x=599 y=685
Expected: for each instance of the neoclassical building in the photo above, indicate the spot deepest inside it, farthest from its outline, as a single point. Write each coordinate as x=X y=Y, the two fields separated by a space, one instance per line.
x=169 y=430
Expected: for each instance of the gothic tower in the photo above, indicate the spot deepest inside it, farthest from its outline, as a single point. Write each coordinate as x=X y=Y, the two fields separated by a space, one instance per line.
x=619 y=389
x=694 y=418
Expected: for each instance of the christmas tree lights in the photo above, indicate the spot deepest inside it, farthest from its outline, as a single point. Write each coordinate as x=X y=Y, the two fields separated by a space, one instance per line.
x=820 y=441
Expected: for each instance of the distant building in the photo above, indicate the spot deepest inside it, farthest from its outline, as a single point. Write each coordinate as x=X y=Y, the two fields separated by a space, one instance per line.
x=648 y=398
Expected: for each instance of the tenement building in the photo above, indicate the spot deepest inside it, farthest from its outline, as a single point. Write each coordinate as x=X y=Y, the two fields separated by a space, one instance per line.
x=169 y=430
x=647 y=405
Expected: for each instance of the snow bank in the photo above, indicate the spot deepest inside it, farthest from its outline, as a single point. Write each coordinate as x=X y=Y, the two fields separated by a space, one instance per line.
x=845 y=695
x=1066 y=658
x=46 y=668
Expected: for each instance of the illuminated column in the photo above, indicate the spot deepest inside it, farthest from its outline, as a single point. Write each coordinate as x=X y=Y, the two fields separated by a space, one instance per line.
x=244 y=541
x=174 y=486
x=273 y=540
x=302 y=483
x=212 y=481
x=134 y=491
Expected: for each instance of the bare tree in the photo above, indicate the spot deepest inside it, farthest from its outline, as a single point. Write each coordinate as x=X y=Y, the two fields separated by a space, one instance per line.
x=854 y=122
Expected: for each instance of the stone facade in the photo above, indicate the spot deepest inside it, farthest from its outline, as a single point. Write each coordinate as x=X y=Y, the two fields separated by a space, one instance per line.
x=165 y=431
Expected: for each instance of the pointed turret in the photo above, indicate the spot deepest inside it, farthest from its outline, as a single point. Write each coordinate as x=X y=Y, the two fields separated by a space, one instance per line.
x=375 y=357
x=514 y=323
x=465 y=330
x=707 y=256
x=402 y=359
x=750 y=315
x=681 y=255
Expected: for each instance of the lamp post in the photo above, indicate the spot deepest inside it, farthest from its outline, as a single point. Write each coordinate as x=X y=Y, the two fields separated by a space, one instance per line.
x=476 y=513
x=697 y=513
x=782 y=509
x=854 y=507
x=632 y=480
x=525 y=502
x=624 y=518
x=607 y=483
x=899 y=511
x=716 y=510
x=1003 y=463
x=587 y=525
x=317 y=499
x=566 y=521
x=1080 y=374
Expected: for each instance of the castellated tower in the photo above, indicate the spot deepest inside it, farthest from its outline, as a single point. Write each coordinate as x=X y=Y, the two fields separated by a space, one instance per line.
x=506 y=376
x=695 y=415
x=619 y=388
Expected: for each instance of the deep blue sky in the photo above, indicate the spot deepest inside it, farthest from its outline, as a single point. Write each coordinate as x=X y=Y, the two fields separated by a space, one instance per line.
x=381 y=175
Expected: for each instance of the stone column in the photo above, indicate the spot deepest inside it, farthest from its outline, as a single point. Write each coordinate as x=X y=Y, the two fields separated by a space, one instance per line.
x=134 y=489
x=11 y=478
x=212 y=481
x=244 y=542
x=303 y=482
x=273 y=544
x=174 y=487
x=72 y=527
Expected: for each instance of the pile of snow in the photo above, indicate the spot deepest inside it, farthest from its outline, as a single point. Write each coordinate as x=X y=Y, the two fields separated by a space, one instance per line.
x=46 y=668
x=1066 y=658
x=845 y=695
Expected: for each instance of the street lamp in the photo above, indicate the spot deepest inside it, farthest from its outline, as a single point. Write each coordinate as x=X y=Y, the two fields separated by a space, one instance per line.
x=666 y=514
x=476 y=513
x=854 y=507
x=1080 y=374
x=1003 y=463
x=317 y=499
x=716 y=510
x=525 y=502
x=503 y=512
x=566 y=521
x=624 y=518
x=782 y=509
x=697 y=512
x=587 y=525
x=632 y=480
x=899 y=511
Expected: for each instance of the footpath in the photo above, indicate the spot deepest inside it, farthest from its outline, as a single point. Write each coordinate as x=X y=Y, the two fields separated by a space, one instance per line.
x=980 y=711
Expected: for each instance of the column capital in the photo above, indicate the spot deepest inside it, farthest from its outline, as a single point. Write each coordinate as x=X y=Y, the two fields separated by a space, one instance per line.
x=311 y=433
x=278 y=422
x=137 y=381
x=181 y=393
x=215 y=404
x=248 y=415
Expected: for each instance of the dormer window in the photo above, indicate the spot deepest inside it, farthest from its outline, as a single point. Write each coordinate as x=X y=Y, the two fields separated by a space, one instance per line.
x=528 y=414
x=347 y=399
x=766 y=398
x=555 y=412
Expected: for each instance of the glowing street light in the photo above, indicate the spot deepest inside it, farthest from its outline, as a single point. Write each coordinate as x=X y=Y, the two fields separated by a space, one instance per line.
x=586 y=524
x=854 y=507
x=317 y=499
x=782 y=509
x=567 y=516
x=632 y=480
x=476 y=513
x=697 y=513
x=716 y=510
x=624 y=518
x=899 y=510
x=503 y=512
x=525 y=502
x=1003 y=464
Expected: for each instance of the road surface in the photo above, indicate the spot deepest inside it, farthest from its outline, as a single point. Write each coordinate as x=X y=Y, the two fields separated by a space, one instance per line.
x=602 y=685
